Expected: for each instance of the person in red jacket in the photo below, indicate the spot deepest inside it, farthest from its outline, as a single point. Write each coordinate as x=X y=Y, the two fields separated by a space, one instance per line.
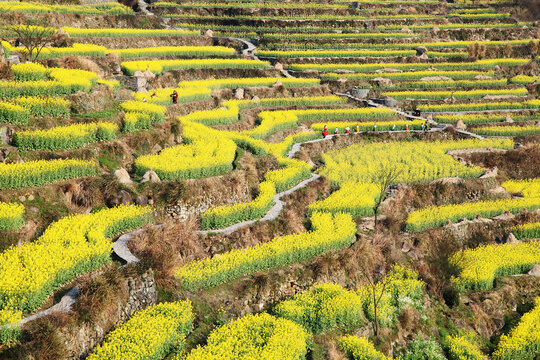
x=174 y=96
x=325 y=132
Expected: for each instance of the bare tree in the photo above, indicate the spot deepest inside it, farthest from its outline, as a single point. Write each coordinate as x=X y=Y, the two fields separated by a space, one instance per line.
x=377 y=284
x=386 y=176
x=33 y=38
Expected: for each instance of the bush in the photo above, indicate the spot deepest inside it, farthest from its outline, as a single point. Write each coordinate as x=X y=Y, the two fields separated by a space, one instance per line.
x=422 y=349
x=150 y=334
x=260 y=336
x=13 y=114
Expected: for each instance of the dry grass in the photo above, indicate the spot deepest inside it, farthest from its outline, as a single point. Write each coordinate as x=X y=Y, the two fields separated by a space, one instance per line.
x=334 y=353
x=166 y=248
x=99 y=297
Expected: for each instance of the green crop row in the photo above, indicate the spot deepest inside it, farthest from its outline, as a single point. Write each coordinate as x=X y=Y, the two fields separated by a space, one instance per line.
x=508 y=130
x=503 y=105
x=458 y=94
x=407 y=75
x=352 y=54
x=115 y=32
x=480 y=64
x=159 y=66
x=40 y=172
x=65 y=137
x=482 y=118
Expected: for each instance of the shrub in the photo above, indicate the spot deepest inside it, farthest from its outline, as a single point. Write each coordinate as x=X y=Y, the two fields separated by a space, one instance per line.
x=360 y=349
x=150 y=334
x=255 y=336
x=13 y=114
x=324 y=307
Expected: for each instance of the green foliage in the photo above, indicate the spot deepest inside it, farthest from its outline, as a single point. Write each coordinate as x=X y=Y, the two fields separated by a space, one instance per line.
x=422 y=349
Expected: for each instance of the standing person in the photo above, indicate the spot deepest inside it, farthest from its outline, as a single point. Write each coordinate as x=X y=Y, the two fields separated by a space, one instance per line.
x=407 y=127
x=357 y=128
x=426 y=126
x=336 y=131
x=347 y=130
x=174 y=96
x=394 y=127
x=374 y=127
x=325 y=132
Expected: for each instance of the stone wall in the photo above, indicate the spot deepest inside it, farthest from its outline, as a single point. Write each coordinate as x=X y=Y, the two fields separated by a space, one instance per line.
x=141 y=293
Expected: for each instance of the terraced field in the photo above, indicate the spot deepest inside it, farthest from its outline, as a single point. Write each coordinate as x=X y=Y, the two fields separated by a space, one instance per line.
x=310 y=180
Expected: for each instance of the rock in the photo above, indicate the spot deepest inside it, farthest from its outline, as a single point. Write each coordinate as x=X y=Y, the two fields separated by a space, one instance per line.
x=406 y=247
x=156 y=149
x=311 y=71
x=436 y=78
x=420 y=50
x=510 y=239
x=482 y=77
x=406 y=30
x=22 y=198
x=278 y=66
x=389 y=70
x=4 y=135
x=148 y=75
x=389 y=101
x=141 y=200
x=14 y=59
x=277 y=84
x=123 y=198
x=508 y=119
x=343 y=71
x=537 y=123
x=31 y=197
x=381 y=82
x=150 y=176
x=490 y=173
x=535 y=271
x=256 y=99
x=342 y=80
x=498 y=97
x=448 y=180
x=359 y=93
x=435 y=29
x=209 y=33
x=460 y=125
x=138 y=73
x=423 y=57
x=122 y=176
x=506 y=216
x=239 y=94
x=411 y=10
